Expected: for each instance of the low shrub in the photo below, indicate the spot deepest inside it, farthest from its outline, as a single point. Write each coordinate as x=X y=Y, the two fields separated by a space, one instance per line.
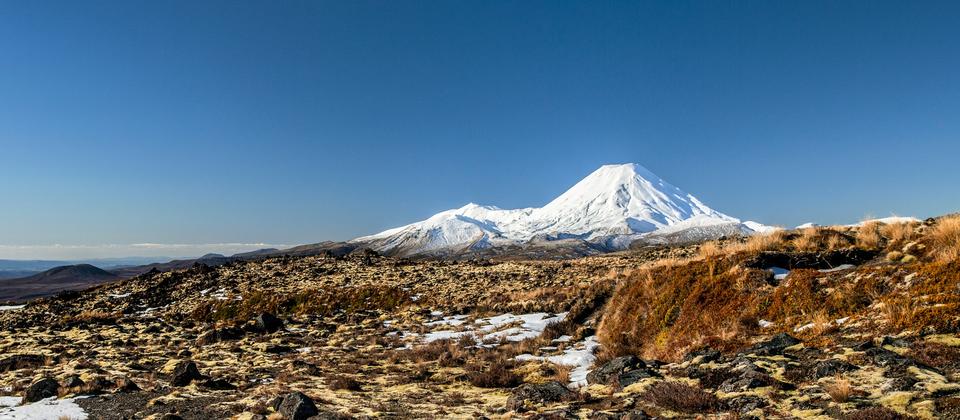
x=681 y=397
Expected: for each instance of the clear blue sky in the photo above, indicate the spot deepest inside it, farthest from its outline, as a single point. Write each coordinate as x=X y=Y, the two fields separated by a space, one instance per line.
x=183 y=122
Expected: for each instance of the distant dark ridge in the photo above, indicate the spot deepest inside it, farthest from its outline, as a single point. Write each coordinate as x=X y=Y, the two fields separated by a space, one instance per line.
x=71 y=273
x=54 y=280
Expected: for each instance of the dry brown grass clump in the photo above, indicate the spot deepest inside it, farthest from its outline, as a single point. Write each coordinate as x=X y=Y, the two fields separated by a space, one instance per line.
x=343 y=382
x=773 y=241
x=681 y=397
x=809 y=240
x=944 y=239
x=93 y=316
x=497 y=374
x=897 y=234
x=868 y=235
x=326 y=301
x=840 y=390
x=936 y=355
x=665 y=311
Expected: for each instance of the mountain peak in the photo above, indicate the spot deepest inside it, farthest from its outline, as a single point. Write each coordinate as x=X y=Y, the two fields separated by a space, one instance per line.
x=618 y=200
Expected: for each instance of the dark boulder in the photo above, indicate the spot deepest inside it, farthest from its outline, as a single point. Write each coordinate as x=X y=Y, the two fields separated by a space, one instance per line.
x=775 y=345
x=124 y=384
x=218 y=385
x=886 y=358
x=536 y=394
x=832 y=367
x=631 y=377
x=705 y=355
x=44 y=388
x=611 y=370
x=184 y=373
x=746 y=403
x=21 y=361
x=894 y=342
x=220 y=334
x=297 y=406
x=72 y=381
x=813 y=260
x=267 y=323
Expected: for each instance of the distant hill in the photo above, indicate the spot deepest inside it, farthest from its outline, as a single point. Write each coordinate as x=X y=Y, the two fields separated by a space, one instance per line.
x=70 y=277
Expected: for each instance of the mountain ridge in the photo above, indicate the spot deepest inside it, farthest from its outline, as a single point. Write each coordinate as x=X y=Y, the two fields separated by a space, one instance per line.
x=612 y=207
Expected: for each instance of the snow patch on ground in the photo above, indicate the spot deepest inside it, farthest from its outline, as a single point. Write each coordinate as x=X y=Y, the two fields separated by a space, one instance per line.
x=11 y=307
x=580 y=356
x=50 y=408
x=837 y=268
x=507 y=326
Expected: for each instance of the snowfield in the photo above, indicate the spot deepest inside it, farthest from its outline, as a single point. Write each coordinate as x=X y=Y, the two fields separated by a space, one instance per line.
x=47 y=409
x=615 y=201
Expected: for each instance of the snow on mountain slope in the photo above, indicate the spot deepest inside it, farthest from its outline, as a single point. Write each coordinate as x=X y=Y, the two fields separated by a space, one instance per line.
x=615 y=201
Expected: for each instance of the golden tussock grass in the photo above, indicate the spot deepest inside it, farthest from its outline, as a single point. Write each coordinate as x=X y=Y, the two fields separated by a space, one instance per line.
x=808 y=240
x=868 y=235
x=773 y=241
x=840 y=390
x=666 y=311
x=944 y=239
x=897 y=234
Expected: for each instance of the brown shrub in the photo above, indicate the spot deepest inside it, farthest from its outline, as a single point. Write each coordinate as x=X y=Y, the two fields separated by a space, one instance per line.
x=93 y=316
x=875 y=413
x=664 y=311
x=498 y=374
x=773 y=241
x=810 y=239
x=840 y=390
x=326 y=302
x=681 y=397
x=944 y=239
x=936 y=355
x=868 y=235
x=897 y=234
x=344 y=382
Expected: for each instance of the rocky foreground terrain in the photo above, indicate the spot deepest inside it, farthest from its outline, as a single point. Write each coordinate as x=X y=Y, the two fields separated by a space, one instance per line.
x=844 y=322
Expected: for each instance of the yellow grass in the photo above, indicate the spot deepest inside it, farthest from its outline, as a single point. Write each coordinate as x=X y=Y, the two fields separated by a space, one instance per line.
x=868 y=236
x=945 y=239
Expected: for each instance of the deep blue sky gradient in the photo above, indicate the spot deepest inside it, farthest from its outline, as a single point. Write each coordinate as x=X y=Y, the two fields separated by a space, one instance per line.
x=293 y=122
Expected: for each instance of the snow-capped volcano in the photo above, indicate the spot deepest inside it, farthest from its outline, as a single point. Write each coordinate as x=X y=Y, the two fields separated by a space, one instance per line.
x=613 y=206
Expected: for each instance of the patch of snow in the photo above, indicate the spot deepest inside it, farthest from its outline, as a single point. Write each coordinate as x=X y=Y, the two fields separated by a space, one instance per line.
x=120 y=295
x=760 y=227
x=562 y=339
x=452 y=321
x=580 y=357
x=837 y=268
x=888 y=221
x=11 y=307
x=486 y=329
x=807 y=225
x=764 y=323
x=445 y=335
x=779 y=273
x=804 y=327
x=50 y=408
x=841 y=321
